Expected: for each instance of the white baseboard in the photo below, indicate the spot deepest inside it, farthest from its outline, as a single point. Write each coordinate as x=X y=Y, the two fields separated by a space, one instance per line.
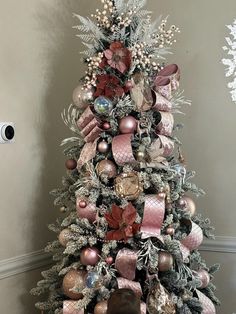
x=20 y=264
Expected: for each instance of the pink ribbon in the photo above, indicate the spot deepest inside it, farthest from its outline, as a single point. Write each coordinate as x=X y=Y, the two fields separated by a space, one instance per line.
x=192 y=241
x=69 y=307
x=88 y=152
x=126 y=262
x=122 y=149
x=172 y=72
x=90 y=130
x=89 y=126
x=163 y=86
x=133 y=285
x=161 y=103
x=88 y=212
x=165 y=127
x=207 y=304
x=154 y=211
x=143 y=308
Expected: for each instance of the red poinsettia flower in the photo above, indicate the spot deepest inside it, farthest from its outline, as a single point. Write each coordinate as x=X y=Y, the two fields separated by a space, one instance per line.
x=109 y=86
x=123 y=223
x=118 y=57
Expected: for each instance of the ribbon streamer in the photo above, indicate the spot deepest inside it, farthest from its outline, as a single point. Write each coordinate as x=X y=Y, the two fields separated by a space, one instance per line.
x=165 y=127
x=126 y=262
x=161 y=103
x=207 y=304
x=69 y=307
x=133 y=285
x=192 y=241
x=89 y=126
x=154 y=211
x=172 y=72
x=88 y=152
x=122 y=149
x=143 y=308
x=163 y=86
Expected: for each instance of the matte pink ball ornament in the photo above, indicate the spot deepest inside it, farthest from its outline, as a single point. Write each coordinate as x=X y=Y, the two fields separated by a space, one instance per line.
x=165 y=261
x=82 y=204
x=86 y=210
x=109 y=260
x=128 y=125
x=89 y=256
x=106 y=126
x=204 y=276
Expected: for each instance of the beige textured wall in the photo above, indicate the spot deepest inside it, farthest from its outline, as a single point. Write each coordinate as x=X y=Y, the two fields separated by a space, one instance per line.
x=40 y=66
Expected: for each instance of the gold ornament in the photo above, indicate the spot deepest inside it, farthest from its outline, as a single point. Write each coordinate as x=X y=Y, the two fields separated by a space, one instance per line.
x=64 y=237
x=128 y=185
x=140 y=156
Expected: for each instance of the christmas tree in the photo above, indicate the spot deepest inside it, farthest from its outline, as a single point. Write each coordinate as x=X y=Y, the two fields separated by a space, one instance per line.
x=128 y=220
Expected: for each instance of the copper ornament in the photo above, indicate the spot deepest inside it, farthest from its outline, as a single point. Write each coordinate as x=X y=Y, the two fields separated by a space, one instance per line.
x=106 y=167
x=64 y=237
x=101 y=307
x=128 y=185
x=74 y=279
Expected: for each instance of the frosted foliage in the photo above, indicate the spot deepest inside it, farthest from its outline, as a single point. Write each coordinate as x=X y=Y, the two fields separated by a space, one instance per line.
x=230 y=62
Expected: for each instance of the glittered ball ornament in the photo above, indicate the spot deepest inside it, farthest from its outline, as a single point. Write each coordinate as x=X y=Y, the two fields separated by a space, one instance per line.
x=82 y=97
x=165 y=261
x=128 y=125
x=101 y=307
x=189 y=205
x=103 y=147
x=74 y=279
x=107 y=167
x=89 y=256
x=204 y=276
x=64 y=237
x=92 y=279
x=71 y=164
x=86 y=210
x=103 y=105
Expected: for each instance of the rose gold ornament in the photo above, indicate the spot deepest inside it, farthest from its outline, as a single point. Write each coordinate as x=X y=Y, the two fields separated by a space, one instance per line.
x=204 y=276
x=165 y=261
x=106 y=167
x=170 y=230
x=103 y=147
x=101 y=307
x=190 y=205
x=106 y=126
x=64 y=237
x=71 y=164
x=82 y=204
x=89 y=256
x=74 y=279
x=128 y=125
x=109 y=260
x=128 y=185
x=162 y=195
x=82 y=97
x=87 y=210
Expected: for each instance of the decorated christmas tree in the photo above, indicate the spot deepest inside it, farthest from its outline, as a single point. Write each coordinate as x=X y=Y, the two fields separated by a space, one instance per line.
x=128 y=218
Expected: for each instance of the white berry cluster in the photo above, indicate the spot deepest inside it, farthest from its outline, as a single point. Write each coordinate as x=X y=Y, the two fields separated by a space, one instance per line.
x=102 y=17
x=141 y=58
x=93 y=66
x=123 y=20
x=165 y=36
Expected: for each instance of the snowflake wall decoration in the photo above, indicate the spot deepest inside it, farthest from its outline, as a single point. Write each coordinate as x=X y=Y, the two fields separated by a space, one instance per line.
x=230 y=62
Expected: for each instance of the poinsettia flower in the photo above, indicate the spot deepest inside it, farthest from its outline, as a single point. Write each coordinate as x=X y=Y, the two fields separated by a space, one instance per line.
x=123 y=223
x=108 y=86
x=118 y=56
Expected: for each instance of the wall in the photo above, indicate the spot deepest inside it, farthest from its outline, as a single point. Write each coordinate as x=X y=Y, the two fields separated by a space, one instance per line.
x=40 y=66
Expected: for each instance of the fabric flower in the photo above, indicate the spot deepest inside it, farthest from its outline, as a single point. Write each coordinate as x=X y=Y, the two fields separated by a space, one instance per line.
x=118 y=57
x=123 y=223
x=108 y=86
